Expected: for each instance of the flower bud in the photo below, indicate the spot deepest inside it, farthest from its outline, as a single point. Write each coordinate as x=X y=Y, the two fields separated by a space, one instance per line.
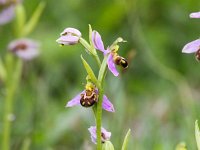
x=105 y=135
x=69 y=36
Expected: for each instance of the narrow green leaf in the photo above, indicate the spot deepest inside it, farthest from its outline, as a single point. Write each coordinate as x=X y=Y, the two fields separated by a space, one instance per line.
x=90 y=72
x=20 y=19
x=102 y=70
x=197 y=134
x=90 y=36
x=124 y=146
x=29 y=27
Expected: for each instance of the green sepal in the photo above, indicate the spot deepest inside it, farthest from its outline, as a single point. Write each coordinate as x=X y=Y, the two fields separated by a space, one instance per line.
x=90 y=72
x=107 y=145
x=2 y=71
x=86 y=45
x=115 y=43
x=92 y=49
x=102 y=70
x=20 y=20
x=31 y=24
x=125 y=143
x=197 y=134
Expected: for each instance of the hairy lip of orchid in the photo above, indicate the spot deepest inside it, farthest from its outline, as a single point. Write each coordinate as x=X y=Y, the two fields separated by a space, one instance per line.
x=89 y=98
x=105 y=135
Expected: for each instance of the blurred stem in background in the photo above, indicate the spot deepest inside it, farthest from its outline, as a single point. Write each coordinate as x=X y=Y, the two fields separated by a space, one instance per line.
x=13 y=68
x=12 y=80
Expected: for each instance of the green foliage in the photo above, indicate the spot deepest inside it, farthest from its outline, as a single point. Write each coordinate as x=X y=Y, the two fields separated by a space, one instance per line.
x=125 y=143
x=197 y=134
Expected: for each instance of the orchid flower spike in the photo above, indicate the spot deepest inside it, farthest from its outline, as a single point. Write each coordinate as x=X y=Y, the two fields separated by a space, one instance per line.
x=105 y=135
x=193 y=47
x=70 y=36
x=89 y=97
x=25 y=49
x=113 y=57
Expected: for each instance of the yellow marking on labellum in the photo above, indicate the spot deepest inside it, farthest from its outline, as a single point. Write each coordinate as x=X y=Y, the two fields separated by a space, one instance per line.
x=83 y=103
x=89 y=103
x=123 y=61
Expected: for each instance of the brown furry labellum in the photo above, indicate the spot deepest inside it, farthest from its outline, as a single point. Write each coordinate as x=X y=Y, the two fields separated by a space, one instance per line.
x=121 y=61
x=88 y=99
x=197 y=55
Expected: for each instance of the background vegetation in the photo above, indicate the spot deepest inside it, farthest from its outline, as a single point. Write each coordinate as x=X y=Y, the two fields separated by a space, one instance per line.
x=157 y=96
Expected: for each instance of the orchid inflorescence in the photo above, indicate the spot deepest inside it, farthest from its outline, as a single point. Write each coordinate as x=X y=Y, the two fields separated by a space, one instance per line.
x=92 y=95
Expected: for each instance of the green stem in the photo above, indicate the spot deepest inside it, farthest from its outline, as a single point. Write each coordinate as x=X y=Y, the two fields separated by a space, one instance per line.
x=7 y=123
x=11 y=86
x=101 y=77
x=98 y=119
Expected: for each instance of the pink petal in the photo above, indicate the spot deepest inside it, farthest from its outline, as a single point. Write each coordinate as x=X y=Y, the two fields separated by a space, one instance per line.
x=75 y=100
x=7 y=14
x=195 y=15
x=97 y=41
x=27 y=54
x=71 y=31
x=26 y=49
x=191 y=47
x=107 y=105
x=111 y=65
x=68 y=40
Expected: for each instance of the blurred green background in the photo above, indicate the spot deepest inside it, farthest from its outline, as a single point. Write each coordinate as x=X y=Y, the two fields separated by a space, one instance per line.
x=157 y=96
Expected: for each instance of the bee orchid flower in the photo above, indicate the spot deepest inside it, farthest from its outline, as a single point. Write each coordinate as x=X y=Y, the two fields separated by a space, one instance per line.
x=113 y=58
x=88 y=98
x=105 y=135
x=25 y=49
